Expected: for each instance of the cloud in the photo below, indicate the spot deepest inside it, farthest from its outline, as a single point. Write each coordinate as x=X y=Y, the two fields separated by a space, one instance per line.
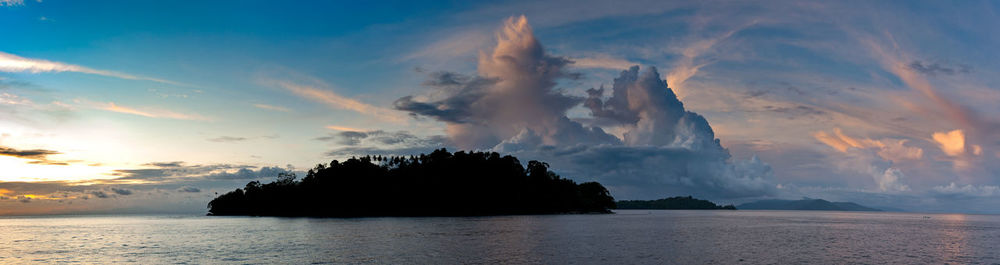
x=320 y=92
x=459 y=92
x=226 y=139
x=121 y=191
x=272 y=107
x=480 y=110
x=935 y=68
x=111 y=106
x=343 y=128
x=459 y=44
x=686 y=67
x=188 y=189
x=11 y=99
x=890 y=149
x=14 y=64
x=164 y=172
x=874 y=158
x=602 y=61
x=512 y=106
x=247 y=173
x=952 y=143
x=230 y=139
x=380 y=142
x=967 y=191
x=34 y=154
x=165 y=164
x=99 y=194
x=37 y=156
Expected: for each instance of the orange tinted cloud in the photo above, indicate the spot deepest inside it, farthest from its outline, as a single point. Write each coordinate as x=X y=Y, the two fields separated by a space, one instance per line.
x=891 y=149
x=952 y=143
x=340 y=102
x=111 y=106
x=342 y=128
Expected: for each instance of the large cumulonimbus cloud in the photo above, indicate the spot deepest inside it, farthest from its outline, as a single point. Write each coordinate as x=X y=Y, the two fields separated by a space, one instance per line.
x=513 y=106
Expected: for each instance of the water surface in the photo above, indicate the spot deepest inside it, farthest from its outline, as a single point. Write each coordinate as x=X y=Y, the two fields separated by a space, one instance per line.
x=630 y=237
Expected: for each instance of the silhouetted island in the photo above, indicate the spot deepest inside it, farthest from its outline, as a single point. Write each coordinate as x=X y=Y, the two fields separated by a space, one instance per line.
x=673 y=203
x=438 y=184
x=806 y=204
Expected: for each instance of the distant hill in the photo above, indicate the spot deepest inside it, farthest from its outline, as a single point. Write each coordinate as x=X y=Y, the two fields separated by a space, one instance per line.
x=673 y=203
x=805 y=204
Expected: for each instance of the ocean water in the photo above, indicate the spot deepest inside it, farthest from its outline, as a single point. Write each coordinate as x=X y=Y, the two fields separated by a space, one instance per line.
x=628 y=237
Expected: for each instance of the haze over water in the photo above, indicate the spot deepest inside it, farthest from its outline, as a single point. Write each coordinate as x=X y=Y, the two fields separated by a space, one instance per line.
x=628 y=237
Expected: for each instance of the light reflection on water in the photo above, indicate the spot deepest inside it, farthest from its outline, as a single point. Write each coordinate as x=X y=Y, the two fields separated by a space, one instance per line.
x=638 y=236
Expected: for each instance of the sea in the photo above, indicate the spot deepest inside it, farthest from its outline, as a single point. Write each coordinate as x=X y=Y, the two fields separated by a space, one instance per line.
x=626 y=237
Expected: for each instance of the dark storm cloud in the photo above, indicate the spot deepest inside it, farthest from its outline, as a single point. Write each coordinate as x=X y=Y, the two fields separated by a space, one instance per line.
x=99 y=194
x=459 y=92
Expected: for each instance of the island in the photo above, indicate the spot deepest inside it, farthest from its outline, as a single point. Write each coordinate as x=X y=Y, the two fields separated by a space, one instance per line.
x=805 y=204
x=437 y=184
x=673 y=203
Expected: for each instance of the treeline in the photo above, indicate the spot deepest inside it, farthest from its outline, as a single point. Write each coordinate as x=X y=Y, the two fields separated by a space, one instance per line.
x=673 y=203
x=438 y=184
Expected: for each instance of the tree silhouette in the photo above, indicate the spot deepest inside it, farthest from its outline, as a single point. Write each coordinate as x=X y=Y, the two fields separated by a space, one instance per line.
x=674 y=203
x=436 y=184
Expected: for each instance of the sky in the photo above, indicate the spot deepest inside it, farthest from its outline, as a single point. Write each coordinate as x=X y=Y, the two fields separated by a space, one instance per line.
x=154 y=107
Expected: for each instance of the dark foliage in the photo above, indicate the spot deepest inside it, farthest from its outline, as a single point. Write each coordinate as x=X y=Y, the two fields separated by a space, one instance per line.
x=674 y=203
x=438 y=184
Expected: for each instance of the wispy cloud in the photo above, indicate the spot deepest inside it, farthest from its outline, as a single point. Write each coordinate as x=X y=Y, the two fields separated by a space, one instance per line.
x=230 y=139
x=889 y=149
x=15 y=64
x=463 y=43
x=336 y=101
x=686 y=67
x=111 y=106
x=344 y=129
x=272 y=107
x=602 y=61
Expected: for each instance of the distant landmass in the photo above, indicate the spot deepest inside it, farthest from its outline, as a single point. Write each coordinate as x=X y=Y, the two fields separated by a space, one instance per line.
x=673 y=203
x=804 y=204
x=438 y=184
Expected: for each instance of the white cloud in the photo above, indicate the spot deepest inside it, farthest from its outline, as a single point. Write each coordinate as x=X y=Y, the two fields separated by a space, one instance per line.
x=13 y=64
x=513 y=106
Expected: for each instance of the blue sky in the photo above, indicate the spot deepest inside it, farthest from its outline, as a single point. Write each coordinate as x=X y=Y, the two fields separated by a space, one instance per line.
x=888 y=104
